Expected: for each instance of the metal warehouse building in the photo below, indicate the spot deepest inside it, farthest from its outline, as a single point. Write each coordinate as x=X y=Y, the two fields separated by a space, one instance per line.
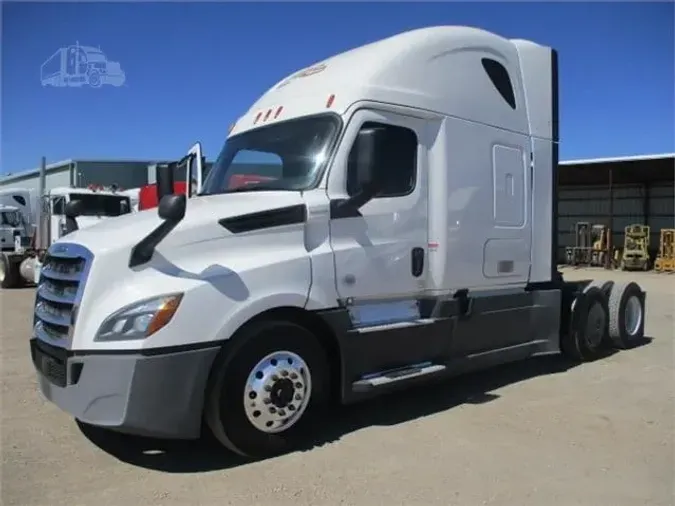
x=616 y=192
x=82 y=173
x=611 y=191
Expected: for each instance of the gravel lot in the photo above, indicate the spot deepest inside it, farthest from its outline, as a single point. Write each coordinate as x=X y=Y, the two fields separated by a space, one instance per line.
x=533 y=433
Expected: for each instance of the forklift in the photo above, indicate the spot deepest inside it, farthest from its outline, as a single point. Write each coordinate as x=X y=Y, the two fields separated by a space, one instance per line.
x=581 y=252
x=665 y=261
x=600 y=249
x=635 y=254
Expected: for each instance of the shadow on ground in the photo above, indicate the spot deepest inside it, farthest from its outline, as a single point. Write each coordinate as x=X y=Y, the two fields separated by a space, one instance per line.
x=207 y=455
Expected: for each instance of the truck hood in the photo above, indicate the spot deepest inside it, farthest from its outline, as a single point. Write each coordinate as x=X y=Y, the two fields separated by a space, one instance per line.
x=200 y=222
x=88 y=221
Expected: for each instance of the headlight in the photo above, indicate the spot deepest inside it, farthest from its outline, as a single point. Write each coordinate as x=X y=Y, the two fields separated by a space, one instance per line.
x=139 y=320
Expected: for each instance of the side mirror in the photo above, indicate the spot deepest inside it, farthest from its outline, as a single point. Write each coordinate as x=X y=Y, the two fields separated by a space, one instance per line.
x=172 y=208
x=194 y=173
x=366 y=161
x=73 y=209
x=164 y=178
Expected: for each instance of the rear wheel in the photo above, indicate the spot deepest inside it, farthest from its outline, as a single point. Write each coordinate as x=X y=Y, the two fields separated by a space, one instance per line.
x=626 y=314
x=587 y=335
x=266 y=389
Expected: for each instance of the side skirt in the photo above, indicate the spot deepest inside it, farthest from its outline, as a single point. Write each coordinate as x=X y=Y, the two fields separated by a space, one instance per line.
x=387 y=346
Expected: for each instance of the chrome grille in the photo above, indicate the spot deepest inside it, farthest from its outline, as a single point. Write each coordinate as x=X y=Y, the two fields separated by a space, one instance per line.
x=62 y=278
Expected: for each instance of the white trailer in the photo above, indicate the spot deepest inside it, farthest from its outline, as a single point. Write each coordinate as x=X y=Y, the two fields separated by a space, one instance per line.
x=406 y=233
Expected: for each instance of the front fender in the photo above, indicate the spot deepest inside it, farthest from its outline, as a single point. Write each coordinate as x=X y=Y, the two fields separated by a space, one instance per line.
x=242 y=313
x=225 y=283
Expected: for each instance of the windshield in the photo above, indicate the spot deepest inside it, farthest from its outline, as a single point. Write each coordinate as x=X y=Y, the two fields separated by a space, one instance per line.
x=284 y=156
x=10 y=218
x=102 y=205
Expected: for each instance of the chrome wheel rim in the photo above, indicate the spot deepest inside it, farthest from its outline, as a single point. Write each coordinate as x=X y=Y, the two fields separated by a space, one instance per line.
x=633 y=316
x=277 y=392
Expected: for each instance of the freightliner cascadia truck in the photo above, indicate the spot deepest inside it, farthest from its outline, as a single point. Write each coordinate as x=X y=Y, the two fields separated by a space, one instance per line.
x=407 y=233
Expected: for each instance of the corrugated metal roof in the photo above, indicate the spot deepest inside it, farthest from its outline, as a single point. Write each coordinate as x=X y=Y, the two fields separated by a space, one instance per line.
x=619 y=159
x=34 y=172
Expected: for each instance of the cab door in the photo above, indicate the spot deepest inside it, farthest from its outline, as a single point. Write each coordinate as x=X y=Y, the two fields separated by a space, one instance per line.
x=380 y=249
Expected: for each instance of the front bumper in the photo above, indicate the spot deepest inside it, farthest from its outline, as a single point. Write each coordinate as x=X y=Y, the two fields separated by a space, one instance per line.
x=157 y=395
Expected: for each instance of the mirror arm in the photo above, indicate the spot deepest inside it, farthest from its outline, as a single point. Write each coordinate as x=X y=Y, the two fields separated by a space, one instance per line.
x=142 y=252
x=349 y=208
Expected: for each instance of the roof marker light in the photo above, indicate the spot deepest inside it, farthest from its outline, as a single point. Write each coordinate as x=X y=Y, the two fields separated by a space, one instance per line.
x=330 y=101
x=279 y=109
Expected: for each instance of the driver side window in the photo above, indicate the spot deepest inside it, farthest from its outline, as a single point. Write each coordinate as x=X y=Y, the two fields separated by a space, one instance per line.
x=400 y=162
x=58 y=206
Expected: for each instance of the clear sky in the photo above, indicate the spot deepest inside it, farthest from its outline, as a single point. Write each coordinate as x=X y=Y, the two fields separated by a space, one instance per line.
x=192 y=69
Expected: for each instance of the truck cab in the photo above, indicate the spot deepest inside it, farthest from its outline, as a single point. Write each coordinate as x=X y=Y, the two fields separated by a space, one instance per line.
x=397 y=226
x=12 y=226
x=97 y=204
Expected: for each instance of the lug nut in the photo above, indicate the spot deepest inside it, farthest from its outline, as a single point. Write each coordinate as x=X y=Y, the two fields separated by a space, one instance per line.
x=284 y=373
x=294 y=376
x=273 y=410
x=291 y=407
x=282 y=412
x=298 y=397
x=268 y=388
x=267 y=400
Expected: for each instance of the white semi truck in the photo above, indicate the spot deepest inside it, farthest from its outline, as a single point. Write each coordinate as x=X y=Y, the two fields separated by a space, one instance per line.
x=21 y=263
x=405 y=233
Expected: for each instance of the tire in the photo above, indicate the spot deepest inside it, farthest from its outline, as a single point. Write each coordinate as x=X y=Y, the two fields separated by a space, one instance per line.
x=605 y=286
x=626 y=315
x=9 y=272
x=94 y=79
x=587 y=336
x=230 y=411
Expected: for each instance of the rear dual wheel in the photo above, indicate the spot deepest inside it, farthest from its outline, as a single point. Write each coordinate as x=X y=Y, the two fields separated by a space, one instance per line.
x=266 y=390
x=588 y=334
x=626 y=315
x=605 y=315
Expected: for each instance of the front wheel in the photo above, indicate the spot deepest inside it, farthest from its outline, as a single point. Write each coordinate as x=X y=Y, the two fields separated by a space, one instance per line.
x=266 y=388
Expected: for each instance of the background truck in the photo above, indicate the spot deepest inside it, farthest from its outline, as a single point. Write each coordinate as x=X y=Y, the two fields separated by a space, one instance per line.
x=80 y=65
x=20 y=265
x=23 y=200
x=408 y=235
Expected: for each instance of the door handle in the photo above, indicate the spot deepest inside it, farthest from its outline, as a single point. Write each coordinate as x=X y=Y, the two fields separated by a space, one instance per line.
x=417 y=262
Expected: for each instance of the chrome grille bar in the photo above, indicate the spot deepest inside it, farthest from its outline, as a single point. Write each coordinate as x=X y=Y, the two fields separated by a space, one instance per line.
x=62 y=278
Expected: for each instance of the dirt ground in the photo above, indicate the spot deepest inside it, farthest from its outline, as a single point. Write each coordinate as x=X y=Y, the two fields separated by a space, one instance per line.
x=533 y=433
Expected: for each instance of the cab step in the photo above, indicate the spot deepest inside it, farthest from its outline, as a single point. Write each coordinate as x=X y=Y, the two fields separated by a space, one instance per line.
x=386 y=378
